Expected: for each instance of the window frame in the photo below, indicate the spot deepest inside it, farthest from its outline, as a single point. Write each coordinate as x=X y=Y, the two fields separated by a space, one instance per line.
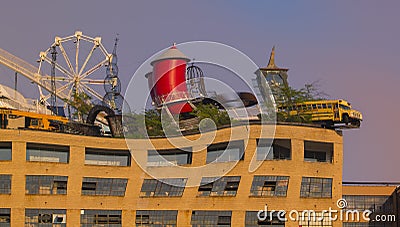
x=45 y=183
x=278 y=145
x=218 y=150
x=6 y=147
x=163 y=153
x=223 y=186
x=51 y=148
x=316 y=187
x=161 y=187
x=103 y=186
x=107 y=153
x=258 y=188
x=313 y=149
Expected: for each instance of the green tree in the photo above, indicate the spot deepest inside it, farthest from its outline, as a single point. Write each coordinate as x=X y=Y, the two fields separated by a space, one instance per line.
x=292 y=96
x=219 y=117
x=82 y=105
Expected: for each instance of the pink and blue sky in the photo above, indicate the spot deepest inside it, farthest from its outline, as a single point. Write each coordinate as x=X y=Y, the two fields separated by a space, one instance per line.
x=351 y=47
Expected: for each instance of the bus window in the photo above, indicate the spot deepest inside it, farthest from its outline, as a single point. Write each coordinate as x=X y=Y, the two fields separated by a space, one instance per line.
x=329 y=106
x=308 y=107
x=344 y=107
x=314 y=106
x=319 y=106
x=324 y=106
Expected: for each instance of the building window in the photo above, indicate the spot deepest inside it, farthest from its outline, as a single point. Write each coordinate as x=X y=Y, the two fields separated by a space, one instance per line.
x=105 y=218
x=274 y=149
x=374 y=203
x=104 y=186
x=252 y=219
x=316 y=187
x=149 y=218
x=47 y=153
x=46 y=185
x=224 y=186
x=5 y=217
x=269 y=186
x=314 y=219
x=107 y=157
x=169 y=157
x=226 y=152
x=318 y=151
x=5 y=184
x=45 y=217
x=5 y=151
x=171 y=187
x=211 y=218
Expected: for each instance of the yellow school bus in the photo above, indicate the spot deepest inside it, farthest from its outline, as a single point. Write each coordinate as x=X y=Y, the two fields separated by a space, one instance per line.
x=326 y=112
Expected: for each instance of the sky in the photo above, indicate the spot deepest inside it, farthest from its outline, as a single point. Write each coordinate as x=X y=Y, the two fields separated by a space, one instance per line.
x=351 y=47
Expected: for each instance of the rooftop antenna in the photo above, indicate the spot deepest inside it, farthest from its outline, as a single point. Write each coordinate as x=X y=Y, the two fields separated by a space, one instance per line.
x=115 y=45
x=53 y=99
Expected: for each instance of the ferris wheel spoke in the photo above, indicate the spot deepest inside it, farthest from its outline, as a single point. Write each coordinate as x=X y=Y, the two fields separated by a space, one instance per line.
x=57 y=78
x=87 y=59
x=93 y=92
x=69 y=96
x=61 y=89
x=59 y=67
x=93 y=69
x=66 y=58
x=77 y=55
x=92 y=81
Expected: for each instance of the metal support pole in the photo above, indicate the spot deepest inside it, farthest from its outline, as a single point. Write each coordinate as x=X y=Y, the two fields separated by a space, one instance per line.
x=15 y=85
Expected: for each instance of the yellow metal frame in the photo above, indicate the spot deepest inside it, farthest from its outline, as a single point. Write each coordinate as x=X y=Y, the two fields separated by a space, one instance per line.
x=39 y=121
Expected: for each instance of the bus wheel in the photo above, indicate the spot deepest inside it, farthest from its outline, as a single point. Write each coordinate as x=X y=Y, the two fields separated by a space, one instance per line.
x=329 y=124
x=356 y=123
x=345 y=119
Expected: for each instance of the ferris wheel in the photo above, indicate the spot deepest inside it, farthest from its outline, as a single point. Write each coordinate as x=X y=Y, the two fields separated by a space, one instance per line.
x=72 y=67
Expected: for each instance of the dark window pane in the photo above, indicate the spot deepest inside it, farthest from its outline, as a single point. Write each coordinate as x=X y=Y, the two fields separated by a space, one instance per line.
x=269 y=186
x=106 y=218
x=171 y=187
x=316 y=187
x=252 y=220
x=47 y=153
x=104 y=186
x=45 y=217
x=224 y=186
x=273 y=149
x=5 y=217
x=107 y=157
x=211 y=218
x=156 y=218
x=225 y=152
x=5 y=151
x=169 y=157
x=318 y=151
x=5 y=184
x=46 y=184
